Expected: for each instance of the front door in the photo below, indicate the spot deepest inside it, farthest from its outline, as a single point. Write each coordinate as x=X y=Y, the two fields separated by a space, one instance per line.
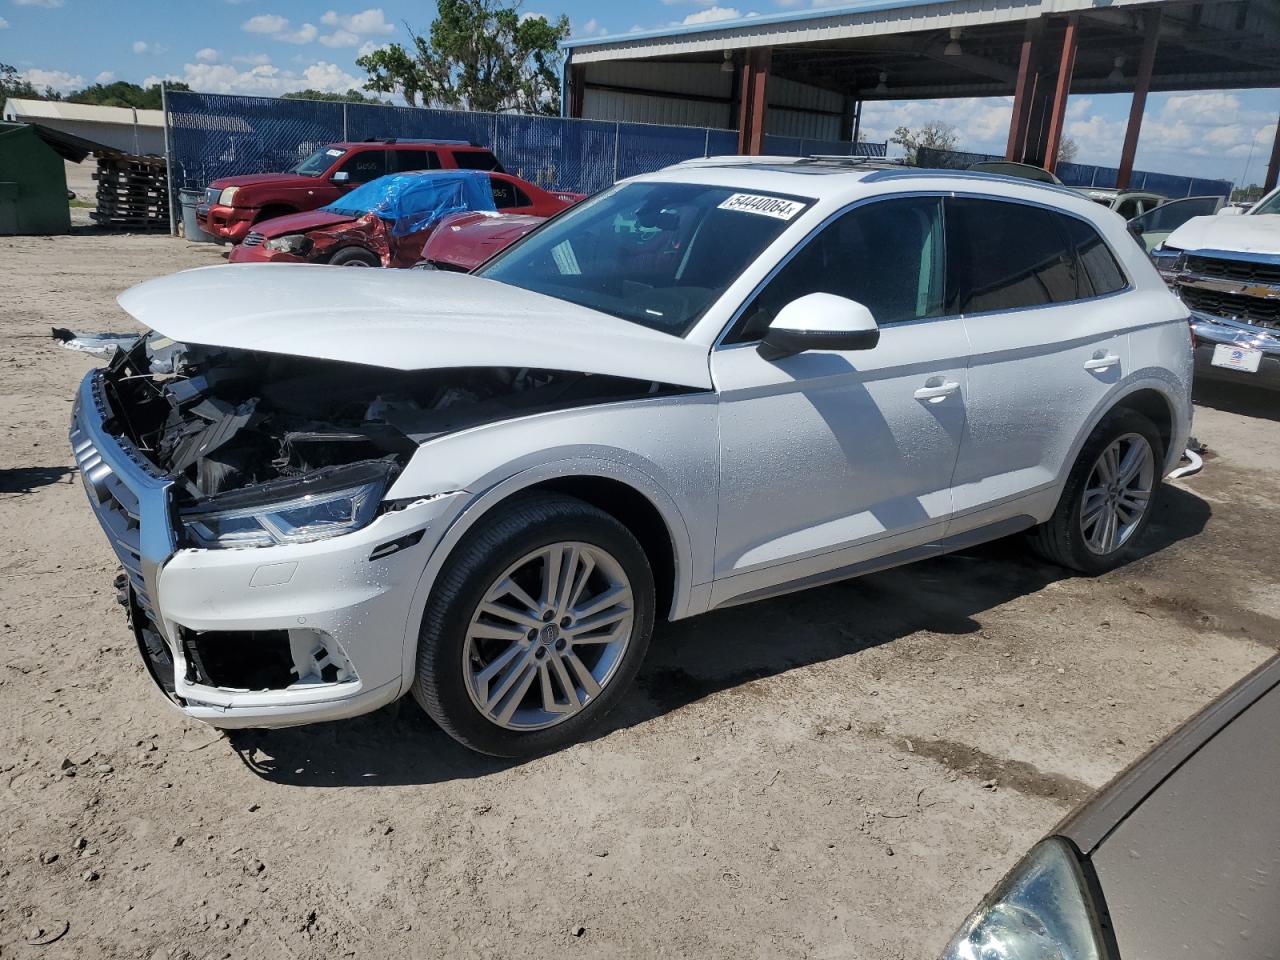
x=833 y=459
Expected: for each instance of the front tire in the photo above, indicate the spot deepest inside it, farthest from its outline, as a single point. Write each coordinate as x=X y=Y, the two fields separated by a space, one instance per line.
x=355 y=257
x=1107 y=501
x=535 y=628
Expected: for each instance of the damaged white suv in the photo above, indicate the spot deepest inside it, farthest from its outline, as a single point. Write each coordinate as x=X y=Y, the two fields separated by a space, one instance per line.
x=704 y=386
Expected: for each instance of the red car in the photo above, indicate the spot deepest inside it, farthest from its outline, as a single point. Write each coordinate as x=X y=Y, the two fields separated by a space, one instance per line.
x=386 y=223
x=232 y=205
x=463 y=241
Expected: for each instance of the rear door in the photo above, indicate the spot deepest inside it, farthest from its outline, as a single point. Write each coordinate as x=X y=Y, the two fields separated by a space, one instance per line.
x=1038 y=291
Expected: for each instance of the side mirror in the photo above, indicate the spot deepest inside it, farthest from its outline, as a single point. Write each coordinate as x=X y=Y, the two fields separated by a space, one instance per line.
x=819 y=321
x=341 y=177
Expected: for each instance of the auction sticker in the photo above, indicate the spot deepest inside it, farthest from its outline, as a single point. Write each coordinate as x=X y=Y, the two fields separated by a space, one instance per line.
x=774 y=207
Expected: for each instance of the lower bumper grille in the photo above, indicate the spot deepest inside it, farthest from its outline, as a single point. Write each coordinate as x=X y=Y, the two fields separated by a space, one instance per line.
x=1258 y=310
x=254 y=239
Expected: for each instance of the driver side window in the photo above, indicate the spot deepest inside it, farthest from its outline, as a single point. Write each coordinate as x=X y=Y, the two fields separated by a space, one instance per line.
x=887 y=255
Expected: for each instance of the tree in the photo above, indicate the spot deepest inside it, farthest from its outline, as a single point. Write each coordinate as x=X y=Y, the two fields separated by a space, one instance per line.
x=935 y=135
x=14 y=84
x=1068 y=149
x=351 y=96
x=478 y=55
x=121 y=93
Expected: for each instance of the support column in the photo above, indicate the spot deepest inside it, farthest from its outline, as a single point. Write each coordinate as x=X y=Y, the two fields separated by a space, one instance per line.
x=1024 y=90
x=848 y=106
x=1142 y=84
x=1058 y=112
x=754 y=100
x=856 y=133
x=1273 y=168
x=577 y=89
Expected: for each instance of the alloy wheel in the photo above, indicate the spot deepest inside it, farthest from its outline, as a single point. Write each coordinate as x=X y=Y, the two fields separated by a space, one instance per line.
x=548 y=636
x=1117 y=493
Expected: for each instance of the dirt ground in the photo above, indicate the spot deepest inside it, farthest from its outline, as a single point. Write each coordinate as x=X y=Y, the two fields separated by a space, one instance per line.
x=842 y=773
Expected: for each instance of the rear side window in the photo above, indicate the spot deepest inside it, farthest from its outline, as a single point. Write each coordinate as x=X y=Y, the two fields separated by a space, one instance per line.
x=414 y=160
x=507 y=195
x=1006 y=256
x=365 y=166
x=1100 y=274
x=476 y=160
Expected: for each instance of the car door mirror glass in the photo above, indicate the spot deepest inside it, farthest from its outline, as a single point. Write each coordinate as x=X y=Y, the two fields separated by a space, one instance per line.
x=819 y=321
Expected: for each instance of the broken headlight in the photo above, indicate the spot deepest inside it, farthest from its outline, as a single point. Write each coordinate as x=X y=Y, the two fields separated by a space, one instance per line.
x=319 y=509
x=295 y=243
x=1040 y=911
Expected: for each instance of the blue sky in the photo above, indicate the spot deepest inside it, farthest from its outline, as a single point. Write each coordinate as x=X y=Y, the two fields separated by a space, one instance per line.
x=274 y=46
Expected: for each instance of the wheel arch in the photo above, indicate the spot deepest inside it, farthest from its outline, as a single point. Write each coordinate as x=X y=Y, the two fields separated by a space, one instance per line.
x=1154 y=393
x=625 y=493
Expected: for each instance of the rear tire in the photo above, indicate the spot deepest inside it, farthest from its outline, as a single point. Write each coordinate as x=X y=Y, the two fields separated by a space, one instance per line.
x=1108 y=498
x=512 y=667
x=355 y=257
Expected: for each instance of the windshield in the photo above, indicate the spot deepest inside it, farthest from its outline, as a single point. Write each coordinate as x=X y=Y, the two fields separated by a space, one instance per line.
x=318 y=162
x=1269 y=204
x=657 y=254
x=1168 y=217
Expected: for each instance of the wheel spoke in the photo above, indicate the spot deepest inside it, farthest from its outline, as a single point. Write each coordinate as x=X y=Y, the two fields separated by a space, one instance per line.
x=1134 y=460
x=496 y=631
x=568 y=576
x=602 y=601
x=570 y=688
x=551 y=563
x=511 y=615
x=500 y=661
x=508 y=587
x=526 y=680
x=612 y=615
x=580 y=671
x=510 y=680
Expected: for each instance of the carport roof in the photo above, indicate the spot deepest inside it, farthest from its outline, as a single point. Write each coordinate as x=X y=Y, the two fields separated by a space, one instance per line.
x=1211 y=44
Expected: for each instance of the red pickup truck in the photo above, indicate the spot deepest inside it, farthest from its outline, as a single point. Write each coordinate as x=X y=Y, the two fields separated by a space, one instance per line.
x=234 y=204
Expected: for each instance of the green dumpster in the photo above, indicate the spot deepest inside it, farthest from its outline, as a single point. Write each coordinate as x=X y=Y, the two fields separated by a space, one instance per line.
x=33 y=184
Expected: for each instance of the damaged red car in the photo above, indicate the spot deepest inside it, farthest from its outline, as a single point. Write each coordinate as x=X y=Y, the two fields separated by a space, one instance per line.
x=386 y=222
x=463 y=241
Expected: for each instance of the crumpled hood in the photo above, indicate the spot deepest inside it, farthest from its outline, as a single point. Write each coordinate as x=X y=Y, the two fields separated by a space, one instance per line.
x=405 y=320
x=1242 y=234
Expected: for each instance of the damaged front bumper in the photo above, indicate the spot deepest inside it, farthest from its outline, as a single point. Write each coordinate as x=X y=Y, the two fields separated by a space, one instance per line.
x=257 y=636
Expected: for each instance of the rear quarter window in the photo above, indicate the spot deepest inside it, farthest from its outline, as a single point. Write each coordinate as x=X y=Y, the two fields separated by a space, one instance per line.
x=1100 y=273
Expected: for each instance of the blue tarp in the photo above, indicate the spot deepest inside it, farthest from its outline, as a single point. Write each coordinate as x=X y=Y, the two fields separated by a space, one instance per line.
x=414 y=201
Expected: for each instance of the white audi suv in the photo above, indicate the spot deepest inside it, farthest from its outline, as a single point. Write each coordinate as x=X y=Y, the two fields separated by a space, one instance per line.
x=701 y=387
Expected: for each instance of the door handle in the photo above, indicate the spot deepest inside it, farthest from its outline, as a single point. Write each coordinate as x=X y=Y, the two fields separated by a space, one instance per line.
x=1101 y=361
x=933 y=392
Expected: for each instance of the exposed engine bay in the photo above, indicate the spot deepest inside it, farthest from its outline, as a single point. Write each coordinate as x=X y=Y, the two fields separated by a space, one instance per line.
x=233 y=427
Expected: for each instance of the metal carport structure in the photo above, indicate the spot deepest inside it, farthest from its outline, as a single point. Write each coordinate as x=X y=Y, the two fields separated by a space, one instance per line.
x=1037 y=51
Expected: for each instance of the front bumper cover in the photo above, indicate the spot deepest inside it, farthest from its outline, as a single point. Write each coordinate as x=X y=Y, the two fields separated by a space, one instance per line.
x=1210 y=330
x=333 y=594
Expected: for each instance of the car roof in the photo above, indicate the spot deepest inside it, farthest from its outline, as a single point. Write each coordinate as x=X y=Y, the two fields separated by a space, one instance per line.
x=407 y=142
x=820 y=178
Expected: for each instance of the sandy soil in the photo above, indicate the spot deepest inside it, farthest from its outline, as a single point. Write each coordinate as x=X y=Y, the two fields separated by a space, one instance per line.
x=840 y=773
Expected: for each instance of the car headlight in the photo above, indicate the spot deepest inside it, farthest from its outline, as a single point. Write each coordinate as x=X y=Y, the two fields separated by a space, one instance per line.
x=295 y=243
x=228 y=196
x=1040 y=911
x=327 y=510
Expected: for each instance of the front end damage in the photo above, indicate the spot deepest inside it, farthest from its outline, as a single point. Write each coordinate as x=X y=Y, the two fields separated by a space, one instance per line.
x=267 y=577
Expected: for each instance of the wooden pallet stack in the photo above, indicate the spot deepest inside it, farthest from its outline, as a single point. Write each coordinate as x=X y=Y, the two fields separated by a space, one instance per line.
x=133 y=193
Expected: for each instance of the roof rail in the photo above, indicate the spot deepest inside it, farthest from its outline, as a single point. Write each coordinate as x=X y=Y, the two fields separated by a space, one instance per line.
x=433 y=142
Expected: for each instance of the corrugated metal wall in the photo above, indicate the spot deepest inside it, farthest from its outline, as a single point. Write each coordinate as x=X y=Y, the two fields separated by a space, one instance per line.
x=611 y=94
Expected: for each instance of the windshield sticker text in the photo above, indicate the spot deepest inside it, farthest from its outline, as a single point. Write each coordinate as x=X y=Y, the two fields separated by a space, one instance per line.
x=765 y=206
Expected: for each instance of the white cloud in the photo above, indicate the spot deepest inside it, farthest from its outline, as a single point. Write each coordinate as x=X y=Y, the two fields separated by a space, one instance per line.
x=106 y=76
x=264 y=79
x=277 y=28
x=4 y=24
x=207 y=55
x=47 y=4
x=369 y=47
x=982 y=124
x=60 y=80
x=592 y=28
x=340 y=38
x=712 y=15
x=367 y=23
x=254 y=59
x=264 y=23
x=140 y=46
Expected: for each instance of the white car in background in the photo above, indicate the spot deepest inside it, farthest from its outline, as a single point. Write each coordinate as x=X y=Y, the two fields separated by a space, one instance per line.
x=701 y=387
x=1226 y=269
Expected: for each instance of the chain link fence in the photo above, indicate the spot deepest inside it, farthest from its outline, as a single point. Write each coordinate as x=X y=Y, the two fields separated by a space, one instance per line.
x=1089 y=175
x=218 y=135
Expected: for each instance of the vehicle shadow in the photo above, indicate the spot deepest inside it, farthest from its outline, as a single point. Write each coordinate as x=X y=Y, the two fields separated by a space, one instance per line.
x=26 y=479
x=1241 y=399
x=697 y=658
